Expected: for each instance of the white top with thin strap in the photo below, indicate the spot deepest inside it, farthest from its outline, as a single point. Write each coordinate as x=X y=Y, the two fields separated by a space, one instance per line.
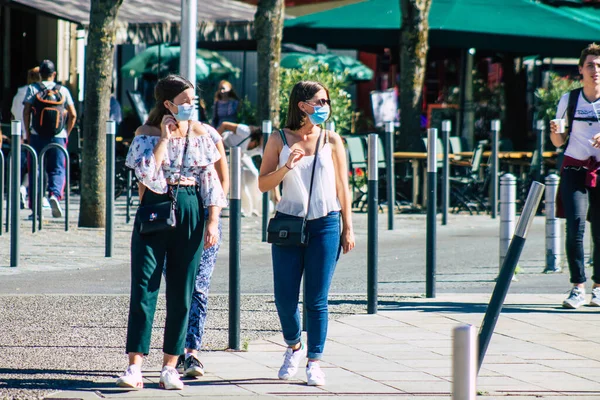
x=296 y=184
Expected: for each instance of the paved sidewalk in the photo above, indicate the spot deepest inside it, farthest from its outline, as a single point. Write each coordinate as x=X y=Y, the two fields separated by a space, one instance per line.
x=538 y=351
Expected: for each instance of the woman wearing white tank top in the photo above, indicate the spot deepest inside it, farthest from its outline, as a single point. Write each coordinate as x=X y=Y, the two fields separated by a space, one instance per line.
x=288 y=158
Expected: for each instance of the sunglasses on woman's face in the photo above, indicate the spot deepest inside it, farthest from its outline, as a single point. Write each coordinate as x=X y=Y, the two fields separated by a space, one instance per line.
x=320 y=102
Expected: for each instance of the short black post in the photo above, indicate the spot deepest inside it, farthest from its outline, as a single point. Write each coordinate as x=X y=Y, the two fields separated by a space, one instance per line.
x=129 y=196
x=372 y=235
x=431 y=211
x=495 y=167
x=15 y=180
x=2 y=190
x=446 y=129
x=266 y=129
x=541 y=143
x=508 y=268
x=235 y=241
x=389 y=164
x=110 y=188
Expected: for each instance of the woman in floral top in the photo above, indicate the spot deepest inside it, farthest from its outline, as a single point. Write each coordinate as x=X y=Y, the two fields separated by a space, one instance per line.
x=160 y=164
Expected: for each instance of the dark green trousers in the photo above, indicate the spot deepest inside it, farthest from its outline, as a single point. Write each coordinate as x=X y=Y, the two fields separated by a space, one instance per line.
x=182 y=248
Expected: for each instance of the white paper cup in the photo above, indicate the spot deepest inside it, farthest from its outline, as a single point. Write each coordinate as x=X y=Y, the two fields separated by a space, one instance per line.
x=560 y=125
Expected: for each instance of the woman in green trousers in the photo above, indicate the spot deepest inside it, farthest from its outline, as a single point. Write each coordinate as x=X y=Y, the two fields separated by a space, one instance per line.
x=173 y=157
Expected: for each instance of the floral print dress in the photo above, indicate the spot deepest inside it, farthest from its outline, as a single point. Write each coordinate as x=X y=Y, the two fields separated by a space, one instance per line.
x=198 y=165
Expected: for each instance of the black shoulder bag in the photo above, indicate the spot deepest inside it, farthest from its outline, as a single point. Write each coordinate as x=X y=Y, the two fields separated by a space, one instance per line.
x=160 y=217
x=290 y=230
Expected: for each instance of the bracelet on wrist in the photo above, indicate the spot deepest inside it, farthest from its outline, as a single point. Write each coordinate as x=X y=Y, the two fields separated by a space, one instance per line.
x=287 y=166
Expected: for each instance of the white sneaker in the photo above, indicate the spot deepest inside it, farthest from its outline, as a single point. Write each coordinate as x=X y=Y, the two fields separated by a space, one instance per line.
x=291 y=360
x=45 y=203
x=595 y=302
x=169 y=379
x=132 y=378
x=55 y=205
x=576 y=298
x=314 y=374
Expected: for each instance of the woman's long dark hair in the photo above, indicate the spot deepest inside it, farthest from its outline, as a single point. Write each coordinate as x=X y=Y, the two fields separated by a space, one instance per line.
x=167 y=88
x=302 y=91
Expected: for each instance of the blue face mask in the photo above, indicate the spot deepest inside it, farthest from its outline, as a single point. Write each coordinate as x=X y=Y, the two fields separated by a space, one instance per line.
x=185 y=112
x=320 y=115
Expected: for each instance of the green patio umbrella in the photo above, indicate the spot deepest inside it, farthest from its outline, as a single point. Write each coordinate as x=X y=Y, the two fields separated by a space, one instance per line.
x=517 y=26
x=160 y=60
x=357 y=71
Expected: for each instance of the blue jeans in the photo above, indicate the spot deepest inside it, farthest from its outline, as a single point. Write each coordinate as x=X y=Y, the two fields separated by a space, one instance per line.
x=317 y=262
x=575 y=196
x=56 y=164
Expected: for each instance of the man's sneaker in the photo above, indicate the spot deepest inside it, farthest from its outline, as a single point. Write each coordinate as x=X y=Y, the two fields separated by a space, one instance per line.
x=55 y=205
x=45 y=203
x=595 y=302
x=192 y=366
x=291 y=360
x=169 y=379
x=576 y=298
x=314 y=374
x=132 y=378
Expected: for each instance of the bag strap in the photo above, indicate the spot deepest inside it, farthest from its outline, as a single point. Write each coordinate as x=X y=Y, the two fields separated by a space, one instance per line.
x=185 y=147
x=312 y=176
x=283 y=138
x=571 y=108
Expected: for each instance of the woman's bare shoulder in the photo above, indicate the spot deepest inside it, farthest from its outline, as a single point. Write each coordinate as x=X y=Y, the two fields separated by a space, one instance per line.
x=199 y=129
x=147 y=130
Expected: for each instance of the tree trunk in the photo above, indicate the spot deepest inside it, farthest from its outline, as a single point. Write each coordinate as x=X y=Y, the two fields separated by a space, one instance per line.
x=98 y=74
x=515 y=97
x=413 y=62
x=268 y=30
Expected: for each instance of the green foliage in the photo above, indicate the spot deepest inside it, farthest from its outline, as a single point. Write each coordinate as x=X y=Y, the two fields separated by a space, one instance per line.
x=247 y=112
x=488 y=103
x=548 y=98
x=336 y=83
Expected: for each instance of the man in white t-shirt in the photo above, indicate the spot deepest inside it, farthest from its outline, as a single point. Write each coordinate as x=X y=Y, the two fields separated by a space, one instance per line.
x=55 y=159
x=249 y=138
x=579 y=191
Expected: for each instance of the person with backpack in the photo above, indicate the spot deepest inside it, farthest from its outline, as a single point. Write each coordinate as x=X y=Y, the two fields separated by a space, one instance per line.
x=48 y=117
x=579 y=192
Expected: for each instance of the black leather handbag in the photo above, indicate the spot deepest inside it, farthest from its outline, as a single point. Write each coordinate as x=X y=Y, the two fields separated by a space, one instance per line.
x=157 y=217
x=290 y=230
x=160 y=217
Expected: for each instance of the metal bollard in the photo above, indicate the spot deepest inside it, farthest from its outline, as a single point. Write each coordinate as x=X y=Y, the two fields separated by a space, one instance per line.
x=389 y=163
x=42 y=156
x=2 y=189
x=552 y=226
x=508 y=212
x=15 y=147
x=110 y=188
x=446 y=130
x=235 y=227
x=495 y=167
x=508 y=269
x=129 y=196
x=8 y=195
x=540 y=144
x=464 y=363
x=431 y=211
x=266 y=129
x=372 y=234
